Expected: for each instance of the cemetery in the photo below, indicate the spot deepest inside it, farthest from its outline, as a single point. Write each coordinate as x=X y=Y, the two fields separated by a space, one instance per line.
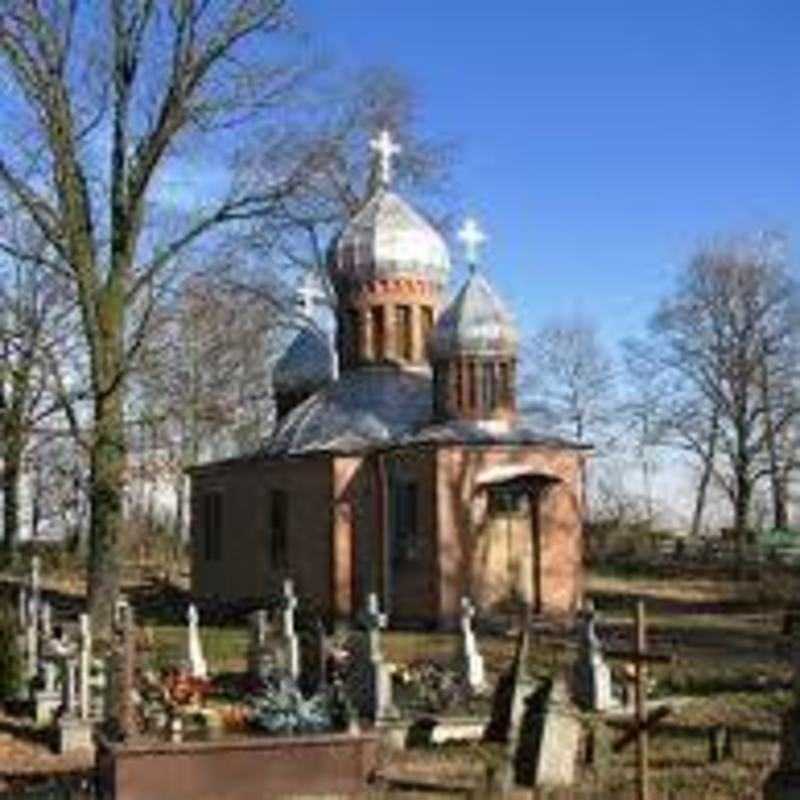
x=275 y=702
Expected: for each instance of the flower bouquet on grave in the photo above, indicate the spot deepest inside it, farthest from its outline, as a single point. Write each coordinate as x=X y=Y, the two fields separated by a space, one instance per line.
x=185 y=690
x=280 y=709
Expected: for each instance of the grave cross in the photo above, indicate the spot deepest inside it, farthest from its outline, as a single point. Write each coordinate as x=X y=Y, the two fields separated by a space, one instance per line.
x=643 y=722
x=289 y=605
x=374 y=618
x=467 y=613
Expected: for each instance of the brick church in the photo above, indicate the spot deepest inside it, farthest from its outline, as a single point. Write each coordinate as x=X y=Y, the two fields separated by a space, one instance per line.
x=408 y=473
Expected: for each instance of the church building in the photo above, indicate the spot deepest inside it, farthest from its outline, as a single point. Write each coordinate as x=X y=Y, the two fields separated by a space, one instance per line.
x=409 y=473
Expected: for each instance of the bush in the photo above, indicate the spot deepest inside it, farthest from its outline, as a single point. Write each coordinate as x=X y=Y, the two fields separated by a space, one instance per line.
x=10 y=656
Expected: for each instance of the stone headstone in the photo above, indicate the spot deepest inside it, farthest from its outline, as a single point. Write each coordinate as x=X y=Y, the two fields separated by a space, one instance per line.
x=85 y=667
x=31 y=647
x=36 y=584
x=290 y=646
x=46 y=620
x=547 y=750
x=48 y=699
x=470 y=660
x=591 y=675
x=22 y=607
x=258 y=656
x=194 y=647
x=513 y=688
x=369 y=677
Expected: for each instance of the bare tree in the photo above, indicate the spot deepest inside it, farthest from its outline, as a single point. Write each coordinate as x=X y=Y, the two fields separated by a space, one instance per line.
x=103 y=96
x=730 y=331
x=570 y=374
x=34 y=312
x=201 y=384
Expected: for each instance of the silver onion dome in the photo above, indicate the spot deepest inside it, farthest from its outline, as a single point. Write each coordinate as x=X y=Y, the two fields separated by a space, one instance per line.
x=476 y=322
x=305 y=365
x=387 y=238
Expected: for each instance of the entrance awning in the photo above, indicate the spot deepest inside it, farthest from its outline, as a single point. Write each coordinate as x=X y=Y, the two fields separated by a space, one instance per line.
x=503 y=473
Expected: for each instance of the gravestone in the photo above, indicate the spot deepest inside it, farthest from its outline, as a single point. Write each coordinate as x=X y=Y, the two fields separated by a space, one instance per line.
x=36 y=586
x=369 y=677
x=31 y=643
x=196 y=663
x=22 y=607
x=508 y=702
x=290 y=644
x=259 y=659
x=74 y=731
x=47 y=700
x=84 y=667
x=470 y=665
x=547 y=750
x=591 y=675
x=45 y=621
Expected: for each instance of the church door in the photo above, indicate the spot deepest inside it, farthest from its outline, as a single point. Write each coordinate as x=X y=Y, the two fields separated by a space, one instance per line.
x=505 y=557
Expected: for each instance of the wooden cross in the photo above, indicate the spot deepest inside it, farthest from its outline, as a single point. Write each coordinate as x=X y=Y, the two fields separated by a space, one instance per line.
x=643 y=722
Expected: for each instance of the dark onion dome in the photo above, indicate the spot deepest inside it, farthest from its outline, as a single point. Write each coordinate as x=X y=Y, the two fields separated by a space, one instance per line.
x=387 y=238
x=305 y=365
x=475 y=323
x=364 y=408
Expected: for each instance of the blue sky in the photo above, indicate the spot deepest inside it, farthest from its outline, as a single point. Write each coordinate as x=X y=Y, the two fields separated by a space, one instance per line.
x=599 y=139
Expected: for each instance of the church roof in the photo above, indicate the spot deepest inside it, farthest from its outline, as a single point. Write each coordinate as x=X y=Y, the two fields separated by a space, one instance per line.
x=476 y=432
x=476 y=322
x=306 y=363
x=388 y=238
x=365 y=408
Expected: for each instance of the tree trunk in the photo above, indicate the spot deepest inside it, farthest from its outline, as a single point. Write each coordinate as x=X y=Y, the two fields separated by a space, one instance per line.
x=705 y=476
x=12 y=463
x=108 y=464
x=741 y=513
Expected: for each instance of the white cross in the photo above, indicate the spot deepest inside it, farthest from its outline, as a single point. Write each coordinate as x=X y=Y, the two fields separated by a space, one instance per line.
x=375 y=619
x=473 y=237
x=385 y=148
x=309 y=295
x=467 y=609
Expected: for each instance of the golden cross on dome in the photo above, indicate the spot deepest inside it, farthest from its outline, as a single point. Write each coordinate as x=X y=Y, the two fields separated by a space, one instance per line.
x=386 y=148
x=473 y=238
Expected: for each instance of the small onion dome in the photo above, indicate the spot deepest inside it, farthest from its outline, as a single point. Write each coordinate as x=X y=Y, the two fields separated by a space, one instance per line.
x=475 y=323
x=305 y=365
x=387 y=238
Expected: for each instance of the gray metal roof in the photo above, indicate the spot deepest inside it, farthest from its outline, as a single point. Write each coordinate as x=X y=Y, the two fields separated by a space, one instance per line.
x=386 y=238
x=475 y=323
x=306 y=363
x=367 y=407
x=487 y=433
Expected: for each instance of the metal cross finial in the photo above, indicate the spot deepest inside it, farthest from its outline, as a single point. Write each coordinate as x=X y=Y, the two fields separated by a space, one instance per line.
x=472 y=237
x=309 y=294
x=386 y=148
